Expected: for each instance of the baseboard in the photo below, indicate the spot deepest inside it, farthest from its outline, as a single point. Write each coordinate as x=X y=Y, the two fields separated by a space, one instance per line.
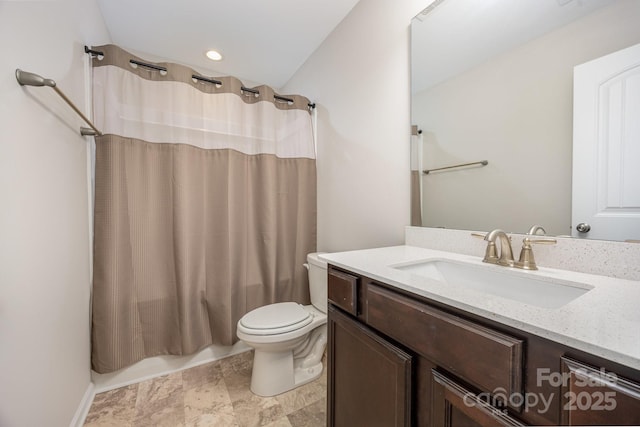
x=83 y=408
x=162 y=365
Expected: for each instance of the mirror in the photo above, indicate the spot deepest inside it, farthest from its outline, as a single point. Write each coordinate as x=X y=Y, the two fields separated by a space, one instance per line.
x=492 y=80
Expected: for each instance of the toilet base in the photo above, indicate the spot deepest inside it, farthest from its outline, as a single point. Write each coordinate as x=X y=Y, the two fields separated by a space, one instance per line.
x=277 y=372
x=273 y=380
x=306 y=375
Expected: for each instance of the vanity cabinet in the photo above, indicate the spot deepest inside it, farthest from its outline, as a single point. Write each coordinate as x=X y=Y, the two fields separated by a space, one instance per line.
x=399 y=359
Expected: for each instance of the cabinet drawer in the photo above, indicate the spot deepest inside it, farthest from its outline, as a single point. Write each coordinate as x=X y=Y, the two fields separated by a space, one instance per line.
x=343 y=290
x=487 y=359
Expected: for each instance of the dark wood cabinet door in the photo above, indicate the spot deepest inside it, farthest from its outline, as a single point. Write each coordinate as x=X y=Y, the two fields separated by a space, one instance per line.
x=455 y=406
x=593 y=396
x=369 y=379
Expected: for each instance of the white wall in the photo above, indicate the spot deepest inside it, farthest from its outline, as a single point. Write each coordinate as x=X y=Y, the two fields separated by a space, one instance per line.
x=516 y=112
x=44 y=213
x=359 y=80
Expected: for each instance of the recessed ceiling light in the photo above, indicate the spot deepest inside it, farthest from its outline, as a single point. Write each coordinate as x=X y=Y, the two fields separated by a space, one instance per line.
x=214 y=55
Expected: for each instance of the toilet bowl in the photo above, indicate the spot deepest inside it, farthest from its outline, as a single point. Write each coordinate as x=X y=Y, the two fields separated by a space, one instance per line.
x=288 y=338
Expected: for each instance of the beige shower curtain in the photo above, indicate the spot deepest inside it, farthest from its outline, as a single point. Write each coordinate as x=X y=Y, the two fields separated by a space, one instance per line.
x=416 y=177
x=205 y=208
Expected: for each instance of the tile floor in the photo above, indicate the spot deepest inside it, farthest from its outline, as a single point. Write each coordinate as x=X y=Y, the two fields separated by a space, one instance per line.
x=215 y=394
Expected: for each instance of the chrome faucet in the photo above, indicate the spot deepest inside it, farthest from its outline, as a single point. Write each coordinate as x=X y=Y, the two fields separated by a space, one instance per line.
x=506 y=253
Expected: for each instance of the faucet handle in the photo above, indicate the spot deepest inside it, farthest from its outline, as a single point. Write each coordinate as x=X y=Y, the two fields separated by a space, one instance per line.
x=527 y=260
x=491 y=253
x=541 y=240
x=483 y=235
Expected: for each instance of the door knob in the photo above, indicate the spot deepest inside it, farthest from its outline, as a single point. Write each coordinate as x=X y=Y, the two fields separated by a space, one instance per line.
x=583 y=227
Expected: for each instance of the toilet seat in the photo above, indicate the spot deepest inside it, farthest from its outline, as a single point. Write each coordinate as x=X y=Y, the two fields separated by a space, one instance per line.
x=275 y=319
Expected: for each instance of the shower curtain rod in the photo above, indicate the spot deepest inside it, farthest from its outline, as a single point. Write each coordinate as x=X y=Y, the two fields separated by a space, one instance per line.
x=26 y=78
x=194 y=76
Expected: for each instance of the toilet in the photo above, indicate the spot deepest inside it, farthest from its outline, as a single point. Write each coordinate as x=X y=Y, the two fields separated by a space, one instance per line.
x=288 y=338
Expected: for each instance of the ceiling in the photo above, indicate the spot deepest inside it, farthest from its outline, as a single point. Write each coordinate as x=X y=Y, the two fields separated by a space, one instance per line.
x=261 y=41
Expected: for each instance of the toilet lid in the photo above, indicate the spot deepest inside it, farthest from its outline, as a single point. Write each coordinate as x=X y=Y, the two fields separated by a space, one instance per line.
x=276 y=317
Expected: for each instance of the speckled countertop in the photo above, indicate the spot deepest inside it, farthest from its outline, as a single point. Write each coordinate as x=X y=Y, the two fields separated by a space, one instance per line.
x=604 y=321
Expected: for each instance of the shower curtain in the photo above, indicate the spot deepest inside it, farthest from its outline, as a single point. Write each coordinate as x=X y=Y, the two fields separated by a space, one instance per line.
x=205 y=207
x=416 y=177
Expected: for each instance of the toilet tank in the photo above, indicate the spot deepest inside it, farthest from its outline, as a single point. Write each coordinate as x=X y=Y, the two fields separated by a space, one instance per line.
x=317 y=281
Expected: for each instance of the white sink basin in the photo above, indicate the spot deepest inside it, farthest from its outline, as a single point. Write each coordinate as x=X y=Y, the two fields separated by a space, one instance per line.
x=522 y=286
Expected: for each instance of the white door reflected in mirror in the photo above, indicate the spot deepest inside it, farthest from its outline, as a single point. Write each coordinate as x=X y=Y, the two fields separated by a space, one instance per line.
x=606 y=147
